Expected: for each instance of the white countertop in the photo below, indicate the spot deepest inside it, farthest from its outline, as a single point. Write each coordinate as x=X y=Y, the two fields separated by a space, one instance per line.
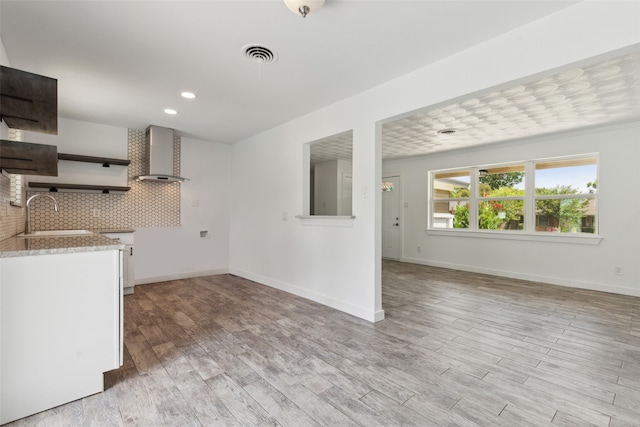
x=28 y=246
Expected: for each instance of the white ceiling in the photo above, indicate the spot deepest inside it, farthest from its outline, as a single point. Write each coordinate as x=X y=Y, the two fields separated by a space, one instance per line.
x=122 y=62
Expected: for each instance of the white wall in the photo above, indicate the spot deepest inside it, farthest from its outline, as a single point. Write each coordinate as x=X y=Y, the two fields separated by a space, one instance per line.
x=585 y=266
x=340 y=266
x=314 y=261
x=88 y=139
x=179 y=252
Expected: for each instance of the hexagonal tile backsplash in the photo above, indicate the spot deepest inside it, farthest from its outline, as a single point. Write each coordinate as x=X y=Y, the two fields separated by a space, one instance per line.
x=11 y=217
x=147 y=204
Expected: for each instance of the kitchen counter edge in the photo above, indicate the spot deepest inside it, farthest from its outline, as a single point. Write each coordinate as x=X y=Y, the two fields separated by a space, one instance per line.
x=30 y=246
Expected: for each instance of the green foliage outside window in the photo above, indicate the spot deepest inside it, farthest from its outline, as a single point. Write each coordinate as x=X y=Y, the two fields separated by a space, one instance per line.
x=502 y=180
x=461 y=216
x=565 y=213
x=492 y=215
x=500 y=198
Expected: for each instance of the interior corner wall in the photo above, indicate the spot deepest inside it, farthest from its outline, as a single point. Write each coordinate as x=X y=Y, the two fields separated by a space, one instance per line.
x=340 y=266
x=168 y=253
x=272 y=246
x=568 y=264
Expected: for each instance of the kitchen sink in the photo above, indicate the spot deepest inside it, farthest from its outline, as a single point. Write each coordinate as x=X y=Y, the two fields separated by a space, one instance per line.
x=56 y=233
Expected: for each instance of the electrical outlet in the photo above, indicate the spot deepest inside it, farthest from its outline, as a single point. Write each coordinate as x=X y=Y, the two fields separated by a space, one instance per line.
x=419 y=249
x=285 y=216
x=619 y=271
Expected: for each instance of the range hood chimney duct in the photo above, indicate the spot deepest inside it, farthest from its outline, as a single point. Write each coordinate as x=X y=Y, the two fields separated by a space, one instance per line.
x=159 y=161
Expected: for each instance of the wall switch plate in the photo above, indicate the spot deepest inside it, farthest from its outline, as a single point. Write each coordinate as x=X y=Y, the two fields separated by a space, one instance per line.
x=619 y=271
x=95 y=212
x=195 y=203
x=285 y=216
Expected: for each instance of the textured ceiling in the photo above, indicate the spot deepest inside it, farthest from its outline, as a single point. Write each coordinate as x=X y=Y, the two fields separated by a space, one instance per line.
x=602 y=93
x=334 y=147
x=605 y=92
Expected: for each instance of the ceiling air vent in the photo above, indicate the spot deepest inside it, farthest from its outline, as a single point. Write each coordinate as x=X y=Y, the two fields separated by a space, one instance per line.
x=259 y=53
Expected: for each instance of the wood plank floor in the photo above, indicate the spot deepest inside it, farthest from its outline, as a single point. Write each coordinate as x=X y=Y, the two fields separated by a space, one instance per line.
x=455 y=349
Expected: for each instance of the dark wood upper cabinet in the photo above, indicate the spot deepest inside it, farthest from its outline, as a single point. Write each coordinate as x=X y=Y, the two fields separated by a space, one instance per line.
x=25 y=158
x=28 y=101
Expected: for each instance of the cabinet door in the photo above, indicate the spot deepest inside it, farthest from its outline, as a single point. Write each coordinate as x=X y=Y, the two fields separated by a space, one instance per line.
x=59 y=329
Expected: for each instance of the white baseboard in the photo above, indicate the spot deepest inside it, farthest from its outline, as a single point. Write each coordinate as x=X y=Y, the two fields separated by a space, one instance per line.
x=189 y=275
x=602 y=287
x=354 y=310
x=378 y=315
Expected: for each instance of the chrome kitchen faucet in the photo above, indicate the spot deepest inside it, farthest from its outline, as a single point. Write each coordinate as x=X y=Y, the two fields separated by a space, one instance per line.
x=27 y=228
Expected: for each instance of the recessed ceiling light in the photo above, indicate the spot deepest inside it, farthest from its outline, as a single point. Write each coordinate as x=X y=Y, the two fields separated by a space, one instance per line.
x=188 y=95
x=170 y=111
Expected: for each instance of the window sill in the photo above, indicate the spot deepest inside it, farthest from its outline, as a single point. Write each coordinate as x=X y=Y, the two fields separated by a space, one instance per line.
x=335 y=221
x=578 y=239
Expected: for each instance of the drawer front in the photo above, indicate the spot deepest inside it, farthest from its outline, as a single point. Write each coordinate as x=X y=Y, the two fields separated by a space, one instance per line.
x=125 y=238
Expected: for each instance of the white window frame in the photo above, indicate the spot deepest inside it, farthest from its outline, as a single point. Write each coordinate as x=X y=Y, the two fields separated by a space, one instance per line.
x=528 y=232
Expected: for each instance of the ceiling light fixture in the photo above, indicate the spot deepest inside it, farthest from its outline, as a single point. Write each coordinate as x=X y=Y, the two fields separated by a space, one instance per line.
x=170 y=111
x=188 y=95
x=303 y=7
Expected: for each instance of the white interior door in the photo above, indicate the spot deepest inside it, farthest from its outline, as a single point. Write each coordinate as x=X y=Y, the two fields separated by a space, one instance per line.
x=391 y=219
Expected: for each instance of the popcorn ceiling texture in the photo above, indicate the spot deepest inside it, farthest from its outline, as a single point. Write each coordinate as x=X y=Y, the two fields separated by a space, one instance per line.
x=147 y=204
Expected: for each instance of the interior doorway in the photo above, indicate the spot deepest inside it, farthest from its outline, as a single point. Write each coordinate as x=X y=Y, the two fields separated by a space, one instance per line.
x=391 y=218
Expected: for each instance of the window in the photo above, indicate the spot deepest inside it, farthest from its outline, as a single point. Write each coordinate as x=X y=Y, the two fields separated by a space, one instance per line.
x=546 y=196
x=501 y=197
x=451 y=192
x=565 y=195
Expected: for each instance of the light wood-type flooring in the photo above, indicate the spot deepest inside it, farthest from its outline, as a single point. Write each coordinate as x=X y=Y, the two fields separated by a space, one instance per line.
x=455 y=349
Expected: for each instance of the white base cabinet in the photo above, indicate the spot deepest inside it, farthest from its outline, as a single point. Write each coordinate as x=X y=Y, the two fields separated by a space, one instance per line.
x=61 y=328
x=128 y=266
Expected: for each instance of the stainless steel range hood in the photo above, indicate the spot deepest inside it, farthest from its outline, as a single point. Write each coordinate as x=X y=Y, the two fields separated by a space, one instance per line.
x=159 y=161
